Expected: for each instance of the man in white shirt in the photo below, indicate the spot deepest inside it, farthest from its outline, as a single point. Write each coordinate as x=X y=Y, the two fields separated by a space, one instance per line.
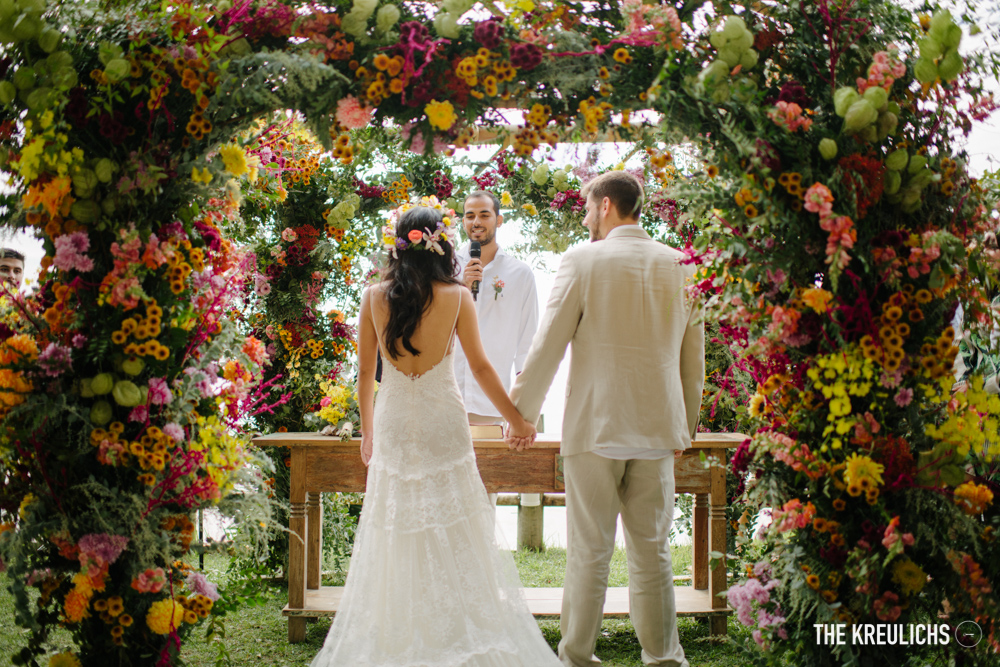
x=507 y=304
x=632 y=401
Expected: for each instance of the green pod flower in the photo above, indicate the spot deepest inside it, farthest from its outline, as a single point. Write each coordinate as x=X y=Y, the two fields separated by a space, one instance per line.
x=101 y=413
x=950 y=66
x=828 y=148
x=877 y=96
x=843 y=99
x=925 y=70
x=917 y=162
x=891 y=182
x=897 y=160
x=860 y=115
x=102 y=383
x=126 y=394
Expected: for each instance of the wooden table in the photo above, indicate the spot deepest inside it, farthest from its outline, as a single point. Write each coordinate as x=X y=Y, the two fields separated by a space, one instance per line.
x=325 y=464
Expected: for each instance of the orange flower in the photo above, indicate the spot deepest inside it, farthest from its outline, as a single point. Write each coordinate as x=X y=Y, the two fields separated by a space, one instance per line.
x=973 y=498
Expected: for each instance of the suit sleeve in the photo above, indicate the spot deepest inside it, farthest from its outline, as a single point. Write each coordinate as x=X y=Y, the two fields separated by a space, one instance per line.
x=692 y=364
x=528 y=323
x=556 y=330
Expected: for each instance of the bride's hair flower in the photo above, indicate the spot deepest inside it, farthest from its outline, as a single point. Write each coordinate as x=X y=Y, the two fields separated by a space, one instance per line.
x=426 y=239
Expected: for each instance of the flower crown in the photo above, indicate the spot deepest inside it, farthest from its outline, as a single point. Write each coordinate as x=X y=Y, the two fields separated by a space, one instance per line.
x=420 y=240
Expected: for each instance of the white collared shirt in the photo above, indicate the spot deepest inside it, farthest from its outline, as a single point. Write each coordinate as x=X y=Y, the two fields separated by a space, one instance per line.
x=508 y=317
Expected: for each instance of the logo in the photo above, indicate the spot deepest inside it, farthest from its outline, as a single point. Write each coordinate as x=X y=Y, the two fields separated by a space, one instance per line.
x=968 y=634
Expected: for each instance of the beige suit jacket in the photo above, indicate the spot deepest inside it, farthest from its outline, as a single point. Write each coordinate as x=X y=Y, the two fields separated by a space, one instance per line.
x=638 y=360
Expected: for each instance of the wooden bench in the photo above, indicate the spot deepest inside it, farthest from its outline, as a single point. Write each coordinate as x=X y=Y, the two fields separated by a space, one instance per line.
x=325 y=464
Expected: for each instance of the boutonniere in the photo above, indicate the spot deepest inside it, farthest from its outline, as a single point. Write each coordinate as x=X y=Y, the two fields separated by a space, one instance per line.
x=497 y=287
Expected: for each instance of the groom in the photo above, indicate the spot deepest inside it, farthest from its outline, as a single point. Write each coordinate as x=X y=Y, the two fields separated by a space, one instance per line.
x=632 y=402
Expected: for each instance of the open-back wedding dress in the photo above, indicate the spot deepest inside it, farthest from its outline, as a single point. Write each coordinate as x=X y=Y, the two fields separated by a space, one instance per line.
x=428 y=585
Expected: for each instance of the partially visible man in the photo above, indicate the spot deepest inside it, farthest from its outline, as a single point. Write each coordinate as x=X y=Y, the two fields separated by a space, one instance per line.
x=11 y=268
x=507 y=305
x=632 y=402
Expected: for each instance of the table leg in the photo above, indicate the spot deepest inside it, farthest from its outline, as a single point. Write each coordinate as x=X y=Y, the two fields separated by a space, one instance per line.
x=718 y=583
x=297 y=537
x=699 y=539
x=314 y=557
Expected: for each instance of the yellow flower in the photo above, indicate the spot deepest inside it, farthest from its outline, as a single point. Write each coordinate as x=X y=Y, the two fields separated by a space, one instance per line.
x=165 y=615
x=817 y=299
x=910 y=577
x=65 y=659
x=973 y=498
x=530 y=208
x=205 y=176
x=860 y=468
x=757 y=405
x=440 y=114
x=506 y=200
x=622 y=55
x=235 y=159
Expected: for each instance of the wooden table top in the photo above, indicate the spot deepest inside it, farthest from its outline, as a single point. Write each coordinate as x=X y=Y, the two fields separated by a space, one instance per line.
x=543 y=442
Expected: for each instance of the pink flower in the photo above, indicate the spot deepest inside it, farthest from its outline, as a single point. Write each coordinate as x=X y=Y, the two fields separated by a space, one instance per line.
x=55 y=360
x=903 y=397
x=289 y=235
x=140 y=413
x=819 y=199
x=197 y=582
x=262 y=286
x=159 y=392
x=175 y=431
x=789 y=116
x=150 y=581
x=352 y=114
x=886 y=608
x=70 y=249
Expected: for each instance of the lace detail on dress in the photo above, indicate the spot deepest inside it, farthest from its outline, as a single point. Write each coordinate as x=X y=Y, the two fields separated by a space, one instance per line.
x=428 y=585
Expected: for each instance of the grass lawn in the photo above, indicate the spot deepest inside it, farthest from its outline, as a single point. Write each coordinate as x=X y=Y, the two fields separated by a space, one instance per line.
x=257 y=636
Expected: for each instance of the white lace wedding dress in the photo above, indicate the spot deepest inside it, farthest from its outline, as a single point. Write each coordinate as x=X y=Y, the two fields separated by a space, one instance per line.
x=428 y=585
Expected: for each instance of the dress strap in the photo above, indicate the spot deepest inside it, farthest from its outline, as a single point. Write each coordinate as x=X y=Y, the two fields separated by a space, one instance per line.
x=454 y=324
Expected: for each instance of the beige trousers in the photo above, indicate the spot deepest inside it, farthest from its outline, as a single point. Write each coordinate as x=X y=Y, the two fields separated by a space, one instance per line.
x=597 y=490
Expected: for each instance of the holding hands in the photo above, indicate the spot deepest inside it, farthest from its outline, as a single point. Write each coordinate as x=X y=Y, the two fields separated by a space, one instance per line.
x=520 y=435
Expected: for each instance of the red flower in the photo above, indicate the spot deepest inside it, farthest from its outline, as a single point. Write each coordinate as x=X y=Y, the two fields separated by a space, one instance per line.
x=863 y=179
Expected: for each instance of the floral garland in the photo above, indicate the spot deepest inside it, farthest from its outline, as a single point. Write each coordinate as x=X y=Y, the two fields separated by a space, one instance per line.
x=444 y=232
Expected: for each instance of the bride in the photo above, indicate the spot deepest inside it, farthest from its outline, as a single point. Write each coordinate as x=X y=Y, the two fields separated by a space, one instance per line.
x=427 y=586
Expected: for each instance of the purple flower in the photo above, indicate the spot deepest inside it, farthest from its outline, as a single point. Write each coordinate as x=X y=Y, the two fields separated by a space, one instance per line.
x=488 y=33
x=102 y=547
x=197 y=582
x=525 y=56
x=55 y=360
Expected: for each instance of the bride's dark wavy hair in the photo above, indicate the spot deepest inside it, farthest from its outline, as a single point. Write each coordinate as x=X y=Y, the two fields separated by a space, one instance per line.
x=410 y=277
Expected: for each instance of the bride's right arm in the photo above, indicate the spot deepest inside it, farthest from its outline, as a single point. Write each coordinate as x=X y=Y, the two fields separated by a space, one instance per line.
x=367 y=347
x=485 y=374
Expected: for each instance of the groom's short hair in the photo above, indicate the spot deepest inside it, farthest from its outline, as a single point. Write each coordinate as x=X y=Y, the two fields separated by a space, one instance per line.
x=622 y=188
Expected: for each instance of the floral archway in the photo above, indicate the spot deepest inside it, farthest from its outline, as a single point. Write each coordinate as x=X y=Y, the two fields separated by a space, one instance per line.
x=832 y=213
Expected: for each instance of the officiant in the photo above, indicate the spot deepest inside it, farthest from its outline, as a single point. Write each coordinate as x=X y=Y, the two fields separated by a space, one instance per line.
x=506 y=303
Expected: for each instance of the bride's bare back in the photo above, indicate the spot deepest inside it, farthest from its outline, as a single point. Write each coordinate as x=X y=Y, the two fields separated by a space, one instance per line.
x=432 y=336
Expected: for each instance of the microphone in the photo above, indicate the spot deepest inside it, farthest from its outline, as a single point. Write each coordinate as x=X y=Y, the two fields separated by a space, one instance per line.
x=475 y=252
